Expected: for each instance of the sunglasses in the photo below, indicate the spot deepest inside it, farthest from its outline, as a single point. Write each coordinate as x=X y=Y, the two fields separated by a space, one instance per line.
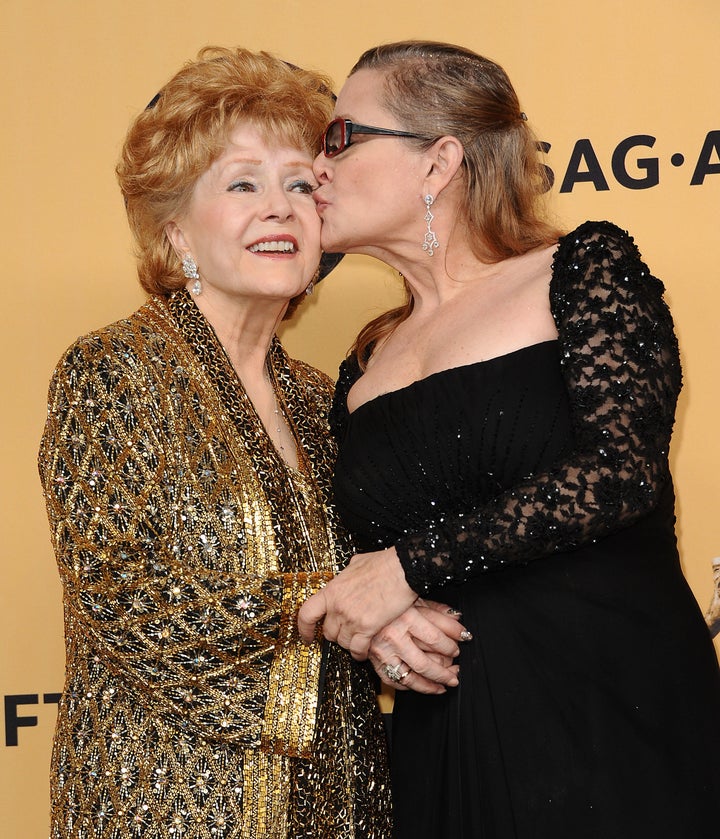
x=338 y=135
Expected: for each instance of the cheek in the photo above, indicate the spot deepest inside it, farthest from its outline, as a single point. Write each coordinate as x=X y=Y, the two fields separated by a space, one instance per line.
x=207 y=226
x=311 y=223
x=352 y=177
x=370 y=189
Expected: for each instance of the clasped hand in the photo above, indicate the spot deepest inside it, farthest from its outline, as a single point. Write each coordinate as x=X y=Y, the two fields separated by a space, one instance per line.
x=370 y=610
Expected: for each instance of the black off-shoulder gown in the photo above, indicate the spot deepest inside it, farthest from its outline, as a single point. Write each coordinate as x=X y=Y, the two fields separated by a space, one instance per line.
x=532 y=493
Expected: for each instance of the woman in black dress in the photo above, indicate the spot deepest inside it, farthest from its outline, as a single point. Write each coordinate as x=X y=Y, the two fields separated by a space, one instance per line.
x=504 y=449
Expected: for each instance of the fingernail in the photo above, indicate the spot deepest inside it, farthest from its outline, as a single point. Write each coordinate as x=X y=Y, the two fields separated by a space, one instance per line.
x=465 y=635
x=455 y=612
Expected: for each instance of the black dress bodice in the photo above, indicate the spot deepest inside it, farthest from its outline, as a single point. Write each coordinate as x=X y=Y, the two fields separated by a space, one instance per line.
x=449 y=442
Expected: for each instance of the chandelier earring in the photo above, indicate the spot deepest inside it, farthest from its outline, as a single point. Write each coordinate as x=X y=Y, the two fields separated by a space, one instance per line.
x=190 y=270
x=430 y=243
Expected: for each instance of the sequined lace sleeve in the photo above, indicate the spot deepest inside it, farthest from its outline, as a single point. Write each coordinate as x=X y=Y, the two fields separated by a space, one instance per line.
x=195 y=641
x=621 y=367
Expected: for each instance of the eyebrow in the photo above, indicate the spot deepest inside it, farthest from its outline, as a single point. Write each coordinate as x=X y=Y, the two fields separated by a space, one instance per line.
x=291 y=164
x=249 y=160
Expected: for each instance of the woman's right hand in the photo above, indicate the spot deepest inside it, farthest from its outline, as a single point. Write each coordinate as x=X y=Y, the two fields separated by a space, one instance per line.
x=416 y=651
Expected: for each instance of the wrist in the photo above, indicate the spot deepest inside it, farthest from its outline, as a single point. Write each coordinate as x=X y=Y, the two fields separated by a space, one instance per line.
x=396 y=573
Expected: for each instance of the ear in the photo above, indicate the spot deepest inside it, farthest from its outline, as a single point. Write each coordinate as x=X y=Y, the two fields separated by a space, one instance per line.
x=177 y=239
x=444 y=158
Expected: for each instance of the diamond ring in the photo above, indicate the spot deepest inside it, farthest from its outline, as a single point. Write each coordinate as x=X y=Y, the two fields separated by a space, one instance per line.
x=394 y=672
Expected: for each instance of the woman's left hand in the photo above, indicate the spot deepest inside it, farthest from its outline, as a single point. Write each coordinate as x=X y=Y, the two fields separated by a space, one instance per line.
x=417 y=650
x=363 y=598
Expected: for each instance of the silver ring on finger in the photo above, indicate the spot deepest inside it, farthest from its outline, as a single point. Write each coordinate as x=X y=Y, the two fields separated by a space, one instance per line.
x=394 y=671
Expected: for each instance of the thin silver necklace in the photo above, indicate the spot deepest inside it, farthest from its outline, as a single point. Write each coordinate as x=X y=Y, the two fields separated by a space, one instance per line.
x=278 y=424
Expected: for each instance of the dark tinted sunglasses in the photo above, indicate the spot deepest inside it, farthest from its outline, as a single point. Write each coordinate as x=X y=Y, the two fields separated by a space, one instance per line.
x=338 y=135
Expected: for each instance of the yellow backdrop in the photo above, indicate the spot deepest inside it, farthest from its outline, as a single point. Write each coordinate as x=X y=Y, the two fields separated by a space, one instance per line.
x=624 y=94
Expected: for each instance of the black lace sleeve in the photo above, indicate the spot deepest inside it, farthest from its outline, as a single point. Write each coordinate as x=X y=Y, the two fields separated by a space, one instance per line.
x=621 y=366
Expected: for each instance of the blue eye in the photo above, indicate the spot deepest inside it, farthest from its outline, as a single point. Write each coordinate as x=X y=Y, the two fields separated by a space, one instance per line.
x=241 y=186
x=303 y=186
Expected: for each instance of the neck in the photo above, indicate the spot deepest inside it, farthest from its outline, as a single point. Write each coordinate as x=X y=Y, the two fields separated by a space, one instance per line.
x=244 y=328
x=246 y=331
x=438 y=279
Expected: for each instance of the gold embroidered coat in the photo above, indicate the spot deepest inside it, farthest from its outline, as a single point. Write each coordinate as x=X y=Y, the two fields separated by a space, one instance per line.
x=185 y=545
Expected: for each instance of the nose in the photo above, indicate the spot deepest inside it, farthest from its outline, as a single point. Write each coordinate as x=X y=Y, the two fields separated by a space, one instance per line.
x=322 y=167
x=278 y=206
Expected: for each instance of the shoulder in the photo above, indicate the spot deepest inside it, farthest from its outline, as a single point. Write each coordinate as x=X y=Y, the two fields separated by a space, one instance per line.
x=600 y=256
x=596 y=240
x=348 y=374
x=601 y=286
x=111 y=351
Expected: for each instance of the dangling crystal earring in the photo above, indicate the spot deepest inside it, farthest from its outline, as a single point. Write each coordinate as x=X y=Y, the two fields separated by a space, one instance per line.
x=190 y=270
x=430 y=244
x=310 y=287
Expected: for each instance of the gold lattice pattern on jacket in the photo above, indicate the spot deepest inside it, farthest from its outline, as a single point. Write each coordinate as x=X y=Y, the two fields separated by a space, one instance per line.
x=185 y=546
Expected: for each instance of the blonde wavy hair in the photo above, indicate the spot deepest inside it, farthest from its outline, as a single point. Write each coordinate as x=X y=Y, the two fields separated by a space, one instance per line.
x=185 y=129
x=437 y=89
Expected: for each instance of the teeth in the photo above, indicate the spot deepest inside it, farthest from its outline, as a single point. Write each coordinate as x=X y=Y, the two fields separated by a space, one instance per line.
x=273 y=247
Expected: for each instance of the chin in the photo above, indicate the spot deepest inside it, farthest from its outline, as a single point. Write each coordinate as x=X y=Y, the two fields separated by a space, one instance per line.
x=332 y=241
x=338 y=244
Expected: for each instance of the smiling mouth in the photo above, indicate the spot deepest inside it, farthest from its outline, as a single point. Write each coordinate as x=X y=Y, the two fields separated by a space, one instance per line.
x=273 y=247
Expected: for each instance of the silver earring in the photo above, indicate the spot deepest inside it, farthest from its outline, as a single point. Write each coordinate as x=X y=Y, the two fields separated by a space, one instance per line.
x=190 y=270
x=430 y=243
x=311 y=285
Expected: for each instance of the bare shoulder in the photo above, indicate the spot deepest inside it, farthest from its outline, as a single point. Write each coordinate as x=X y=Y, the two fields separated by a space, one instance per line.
x=504 y=311
x=533 y=268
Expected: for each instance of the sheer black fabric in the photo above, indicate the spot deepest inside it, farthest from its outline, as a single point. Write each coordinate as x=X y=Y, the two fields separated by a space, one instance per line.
x=532 y=492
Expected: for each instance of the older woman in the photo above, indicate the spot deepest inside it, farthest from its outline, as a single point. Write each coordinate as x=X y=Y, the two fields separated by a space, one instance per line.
x=504 y=446
x=186 y=467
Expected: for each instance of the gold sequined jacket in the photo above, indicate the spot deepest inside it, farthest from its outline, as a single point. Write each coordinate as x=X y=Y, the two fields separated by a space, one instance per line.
x=185 y=545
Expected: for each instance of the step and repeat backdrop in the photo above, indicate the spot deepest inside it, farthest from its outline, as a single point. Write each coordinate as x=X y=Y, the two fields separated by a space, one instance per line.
x=623 y=96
